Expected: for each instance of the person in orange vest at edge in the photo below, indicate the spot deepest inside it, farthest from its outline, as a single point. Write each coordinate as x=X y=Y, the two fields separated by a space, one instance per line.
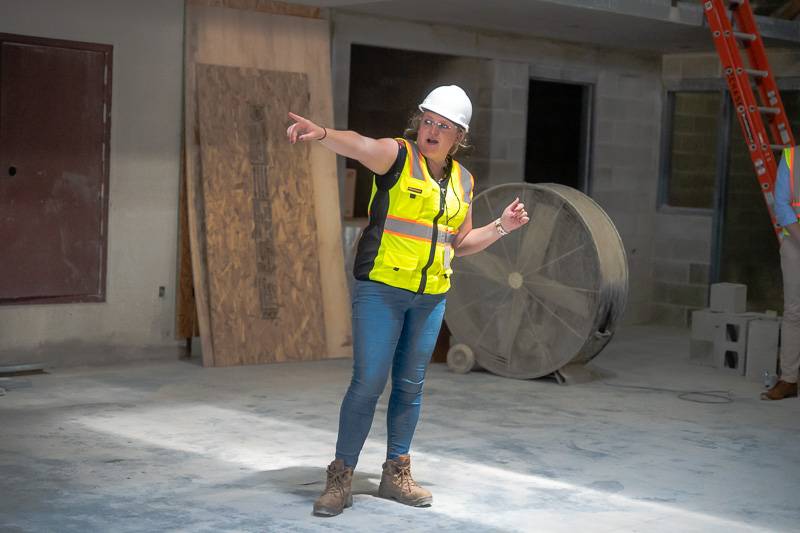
x=787 y=208
x=419 y=218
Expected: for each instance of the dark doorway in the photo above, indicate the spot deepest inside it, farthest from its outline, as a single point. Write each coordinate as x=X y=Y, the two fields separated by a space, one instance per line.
x=386 y=85
x=55 y=105
x=558 y=118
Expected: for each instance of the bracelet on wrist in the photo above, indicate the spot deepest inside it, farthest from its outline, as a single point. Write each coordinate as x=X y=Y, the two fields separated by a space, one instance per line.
x=325 y=134
x=498 y=225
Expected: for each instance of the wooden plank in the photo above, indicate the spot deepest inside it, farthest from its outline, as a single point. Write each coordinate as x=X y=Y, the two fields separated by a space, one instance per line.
x=186 y=324
x=263 y=272
x=263 y=6
x=236 y=37
x=185 y=312
x=194 y=198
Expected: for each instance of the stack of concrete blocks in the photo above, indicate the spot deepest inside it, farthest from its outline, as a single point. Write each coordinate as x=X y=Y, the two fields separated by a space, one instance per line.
x=725 y=336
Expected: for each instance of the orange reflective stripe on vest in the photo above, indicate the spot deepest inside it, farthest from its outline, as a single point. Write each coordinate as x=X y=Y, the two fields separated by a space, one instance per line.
x=418 y=221
x=417 y=230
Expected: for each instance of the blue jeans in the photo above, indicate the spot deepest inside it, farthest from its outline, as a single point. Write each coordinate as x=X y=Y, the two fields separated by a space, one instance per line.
x=392 y=329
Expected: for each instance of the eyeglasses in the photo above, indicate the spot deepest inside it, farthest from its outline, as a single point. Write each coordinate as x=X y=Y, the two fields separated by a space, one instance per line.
x=440 y=125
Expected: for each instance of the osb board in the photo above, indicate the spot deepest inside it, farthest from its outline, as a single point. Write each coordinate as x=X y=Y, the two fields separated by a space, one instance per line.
x=236 y=37
x=265 y=6
x=263 y=270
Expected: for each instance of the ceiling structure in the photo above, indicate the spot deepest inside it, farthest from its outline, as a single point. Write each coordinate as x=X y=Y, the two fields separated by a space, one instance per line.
x=658 y=26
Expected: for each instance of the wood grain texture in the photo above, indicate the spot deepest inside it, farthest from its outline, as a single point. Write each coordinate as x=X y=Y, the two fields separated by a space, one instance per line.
x=263 y=6
x=185 y=312
x=194 y=196
x=263 y=271
x=236 y=37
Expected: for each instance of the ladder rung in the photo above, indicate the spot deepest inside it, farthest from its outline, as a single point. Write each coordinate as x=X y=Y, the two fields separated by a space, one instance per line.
x=778 y=147
x=757 y=73
x=769 y=110
x=742 y=36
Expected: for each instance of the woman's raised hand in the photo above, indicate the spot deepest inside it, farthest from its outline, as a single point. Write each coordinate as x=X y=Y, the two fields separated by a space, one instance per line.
x=514 y=216
x=304 y=130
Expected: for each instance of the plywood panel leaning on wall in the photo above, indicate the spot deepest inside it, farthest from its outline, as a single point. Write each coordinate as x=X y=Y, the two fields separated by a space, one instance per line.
x=276 y=43
x=261 y=235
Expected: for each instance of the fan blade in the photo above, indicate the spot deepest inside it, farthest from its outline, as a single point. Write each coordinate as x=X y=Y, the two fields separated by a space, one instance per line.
x=511 y=322
x=546 y=308
x=491 y=266
x=574 y=299
x=538 y=233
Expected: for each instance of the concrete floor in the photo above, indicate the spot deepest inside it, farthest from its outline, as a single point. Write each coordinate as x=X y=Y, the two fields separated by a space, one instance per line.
x=170 y=446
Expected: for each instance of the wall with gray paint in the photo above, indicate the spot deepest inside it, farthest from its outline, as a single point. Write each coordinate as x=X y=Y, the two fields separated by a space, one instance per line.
x=626 y=117
x=134 y=322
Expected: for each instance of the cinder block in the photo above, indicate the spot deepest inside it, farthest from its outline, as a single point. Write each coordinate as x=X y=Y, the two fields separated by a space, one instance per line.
x=728 y=297
x=705 y=323
x=762 y=348
x=730 y=343
x=701 y=352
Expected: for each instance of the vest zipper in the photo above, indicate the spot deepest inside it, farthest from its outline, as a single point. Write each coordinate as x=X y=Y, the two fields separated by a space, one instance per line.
x=434 y=239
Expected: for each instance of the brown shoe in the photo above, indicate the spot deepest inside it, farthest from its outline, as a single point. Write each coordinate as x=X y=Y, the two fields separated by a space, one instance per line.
x=780 y=391
x=397 y=484
x=337 y=494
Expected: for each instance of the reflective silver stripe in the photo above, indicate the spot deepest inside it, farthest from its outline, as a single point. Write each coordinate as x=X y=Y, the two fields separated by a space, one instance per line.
x=416 y=169
x=421 y=231
x=466 y=182
x=447 y=250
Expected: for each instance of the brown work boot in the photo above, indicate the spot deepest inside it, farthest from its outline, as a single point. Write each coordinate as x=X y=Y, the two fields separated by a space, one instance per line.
x=337 y=494
x=781 y=390
x=397 y=484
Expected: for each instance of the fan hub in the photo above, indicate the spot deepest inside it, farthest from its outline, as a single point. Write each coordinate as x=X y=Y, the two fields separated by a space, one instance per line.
x=515 y=280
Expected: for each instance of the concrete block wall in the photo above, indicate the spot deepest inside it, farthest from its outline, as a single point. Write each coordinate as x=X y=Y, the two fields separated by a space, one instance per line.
x=508 y=110
x=683 y=239
x=626 y=117
x=476 y=76
x=626 y=140
x=681 y=265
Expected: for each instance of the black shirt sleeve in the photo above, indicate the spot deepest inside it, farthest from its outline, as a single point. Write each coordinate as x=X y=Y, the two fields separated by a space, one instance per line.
x=386 y=181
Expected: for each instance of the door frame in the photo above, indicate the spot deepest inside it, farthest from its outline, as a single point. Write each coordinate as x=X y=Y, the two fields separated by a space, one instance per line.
x=108 y=53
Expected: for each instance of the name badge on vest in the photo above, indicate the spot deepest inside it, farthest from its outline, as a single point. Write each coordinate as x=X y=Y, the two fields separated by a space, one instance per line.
x=413 y=190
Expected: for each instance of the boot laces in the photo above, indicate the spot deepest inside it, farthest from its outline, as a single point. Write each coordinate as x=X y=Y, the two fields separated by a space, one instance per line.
x=404 y=478
x=335 y=481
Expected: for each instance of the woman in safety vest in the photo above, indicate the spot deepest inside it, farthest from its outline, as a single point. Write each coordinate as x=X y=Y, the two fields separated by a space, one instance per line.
x=419 y=218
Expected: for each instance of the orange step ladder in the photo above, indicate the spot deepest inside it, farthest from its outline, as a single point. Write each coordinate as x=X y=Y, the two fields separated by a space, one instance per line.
x=734 y=29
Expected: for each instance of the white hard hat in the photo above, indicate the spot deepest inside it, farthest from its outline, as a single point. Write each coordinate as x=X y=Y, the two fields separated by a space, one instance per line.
x=451 y=102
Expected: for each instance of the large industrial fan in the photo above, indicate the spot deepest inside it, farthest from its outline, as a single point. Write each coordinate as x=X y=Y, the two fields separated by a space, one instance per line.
x=546 y=296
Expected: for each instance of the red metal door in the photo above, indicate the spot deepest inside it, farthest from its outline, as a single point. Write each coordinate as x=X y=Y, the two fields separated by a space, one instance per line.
x=55 y=104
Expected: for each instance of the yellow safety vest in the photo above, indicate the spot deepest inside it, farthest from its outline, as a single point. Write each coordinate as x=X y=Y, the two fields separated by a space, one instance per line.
x=794 y=193
x=408 y=241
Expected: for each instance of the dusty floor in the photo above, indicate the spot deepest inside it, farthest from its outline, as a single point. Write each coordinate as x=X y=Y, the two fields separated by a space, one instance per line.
x=175 y=447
